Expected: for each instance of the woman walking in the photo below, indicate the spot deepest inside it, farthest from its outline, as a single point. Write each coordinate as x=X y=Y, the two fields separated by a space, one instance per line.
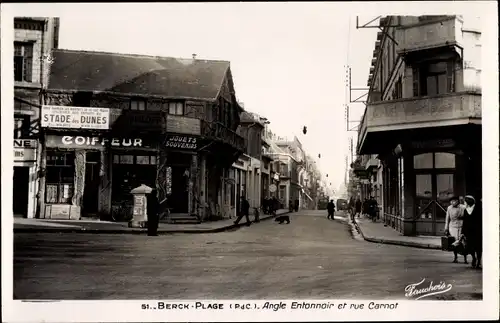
x=454 y=221
x=473 y=229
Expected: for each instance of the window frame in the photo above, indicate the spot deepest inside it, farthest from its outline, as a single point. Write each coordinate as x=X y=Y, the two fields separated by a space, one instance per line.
x=137 y=103
x=26 y=70
x=421 y=74
x=68 y=164
x=176 y=105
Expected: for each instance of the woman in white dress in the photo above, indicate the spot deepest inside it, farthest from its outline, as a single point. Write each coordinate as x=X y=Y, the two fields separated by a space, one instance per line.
x=454 y=221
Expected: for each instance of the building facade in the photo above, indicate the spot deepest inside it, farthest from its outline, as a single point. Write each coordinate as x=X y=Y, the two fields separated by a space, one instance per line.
x=115 y=121
x=34 y=39
x=423 y=119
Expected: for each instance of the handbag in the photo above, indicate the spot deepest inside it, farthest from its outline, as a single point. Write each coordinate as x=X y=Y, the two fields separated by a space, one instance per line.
x=446 y=243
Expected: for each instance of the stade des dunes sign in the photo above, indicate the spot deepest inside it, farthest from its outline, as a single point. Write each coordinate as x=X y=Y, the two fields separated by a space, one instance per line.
x=75 y=117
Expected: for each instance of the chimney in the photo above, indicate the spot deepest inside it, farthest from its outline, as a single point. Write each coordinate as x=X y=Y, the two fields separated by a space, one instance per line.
x=194 y=56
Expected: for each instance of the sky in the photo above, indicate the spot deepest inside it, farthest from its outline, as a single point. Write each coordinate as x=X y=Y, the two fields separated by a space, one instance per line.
x=287 y=59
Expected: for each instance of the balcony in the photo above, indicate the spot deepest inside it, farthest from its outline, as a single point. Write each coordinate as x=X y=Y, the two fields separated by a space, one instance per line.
x=435 y=33
x=372 y=164
x=218 y=132
x=416 y=113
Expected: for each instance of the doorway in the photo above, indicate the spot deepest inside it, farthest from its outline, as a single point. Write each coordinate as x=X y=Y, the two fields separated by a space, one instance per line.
x=178 y=200
x=435 y=184
x=20 y=191
x=92 y=179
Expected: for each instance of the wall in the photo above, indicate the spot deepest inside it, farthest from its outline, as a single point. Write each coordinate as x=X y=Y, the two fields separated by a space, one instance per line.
x=44 y=40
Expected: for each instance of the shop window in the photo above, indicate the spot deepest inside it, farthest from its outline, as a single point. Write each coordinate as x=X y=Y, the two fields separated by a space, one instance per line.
x=60 y=177
x=424 y=185
x=444 y=160
x=434 y=160
x=423 y=161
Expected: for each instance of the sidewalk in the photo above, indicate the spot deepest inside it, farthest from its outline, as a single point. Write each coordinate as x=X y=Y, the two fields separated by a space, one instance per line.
x=22 y=225
x=376 y=232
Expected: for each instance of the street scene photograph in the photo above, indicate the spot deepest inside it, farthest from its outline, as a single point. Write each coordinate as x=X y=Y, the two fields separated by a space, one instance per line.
x=246 y=151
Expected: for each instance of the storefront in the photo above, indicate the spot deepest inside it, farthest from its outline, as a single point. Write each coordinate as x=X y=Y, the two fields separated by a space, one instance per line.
x=240 y=168
x=78 y=172
x=25 y=178
x=419 y=181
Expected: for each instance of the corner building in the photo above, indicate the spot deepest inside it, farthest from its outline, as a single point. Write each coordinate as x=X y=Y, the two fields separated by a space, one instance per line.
x=423 y=118
x=164 y=122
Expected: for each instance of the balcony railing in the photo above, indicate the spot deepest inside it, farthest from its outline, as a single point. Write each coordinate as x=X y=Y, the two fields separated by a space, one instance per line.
x=432 y=34
x=217 y=131
x=422 y=112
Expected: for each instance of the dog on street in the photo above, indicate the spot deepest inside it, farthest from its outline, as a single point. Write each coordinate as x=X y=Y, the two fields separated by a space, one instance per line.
x=283 y=218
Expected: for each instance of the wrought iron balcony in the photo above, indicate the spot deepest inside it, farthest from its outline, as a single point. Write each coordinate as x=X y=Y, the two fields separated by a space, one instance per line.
x=219 y=132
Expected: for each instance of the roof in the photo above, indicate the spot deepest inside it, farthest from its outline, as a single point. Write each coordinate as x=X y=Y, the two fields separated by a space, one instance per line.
x=136 y=74
x=248 y=117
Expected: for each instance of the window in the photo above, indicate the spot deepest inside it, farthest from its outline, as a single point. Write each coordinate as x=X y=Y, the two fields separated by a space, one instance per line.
x=137 y=160
x=434 y=160
x=423 y=161
x=434 y=78
x=138 y=105
x=23 y=62
x=60 y=177
x=21 y=127
x=176 y=108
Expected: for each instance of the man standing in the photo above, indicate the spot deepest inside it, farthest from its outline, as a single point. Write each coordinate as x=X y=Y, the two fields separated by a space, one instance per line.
x=331 y=209
x=153 y=210
x=244 y=211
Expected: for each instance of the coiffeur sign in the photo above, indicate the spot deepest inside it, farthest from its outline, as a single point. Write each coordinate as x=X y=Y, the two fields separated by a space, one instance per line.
x=84 y=142
x=75 y=117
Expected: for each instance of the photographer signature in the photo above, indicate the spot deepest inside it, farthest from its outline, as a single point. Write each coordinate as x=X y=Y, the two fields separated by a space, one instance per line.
x=419 y=290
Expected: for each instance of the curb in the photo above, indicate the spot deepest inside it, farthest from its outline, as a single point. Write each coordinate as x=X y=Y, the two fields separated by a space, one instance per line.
x=395 y=242
x=137 y=231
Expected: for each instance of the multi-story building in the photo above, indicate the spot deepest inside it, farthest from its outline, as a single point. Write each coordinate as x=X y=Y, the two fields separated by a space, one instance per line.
x=423 y=118
x=252 y=168
x=289 y=172
x=34 y=39
x=112 y=122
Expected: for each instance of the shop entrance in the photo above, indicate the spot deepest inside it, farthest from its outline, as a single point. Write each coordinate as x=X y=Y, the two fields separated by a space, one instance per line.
x=436 y=183
x=178 y=200
x=20 y=191
x=91 y=190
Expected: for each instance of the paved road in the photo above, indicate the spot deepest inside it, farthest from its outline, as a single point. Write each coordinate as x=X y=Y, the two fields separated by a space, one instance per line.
x=310 y=258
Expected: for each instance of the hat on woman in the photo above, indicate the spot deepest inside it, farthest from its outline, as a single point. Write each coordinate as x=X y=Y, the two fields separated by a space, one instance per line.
x=470 y=200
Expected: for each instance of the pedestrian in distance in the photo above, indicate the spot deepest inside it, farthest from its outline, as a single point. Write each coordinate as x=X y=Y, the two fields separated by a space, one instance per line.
x=296 y=206
x=454 y=222
x=373 y=208
x=472 y=229
x=331 y=209
x=153 y=210
x=357 y=207
x=290 y=206
x=244 y=211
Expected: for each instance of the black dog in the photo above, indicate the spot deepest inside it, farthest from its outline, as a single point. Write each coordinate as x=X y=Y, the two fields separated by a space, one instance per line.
x=283 y=218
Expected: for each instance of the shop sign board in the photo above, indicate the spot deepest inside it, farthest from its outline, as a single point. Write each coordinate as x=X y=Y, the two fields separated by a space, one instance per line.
x=183 y=125
x=75 y=117
x=25 y=149
x=182 y=142
x=89 y=142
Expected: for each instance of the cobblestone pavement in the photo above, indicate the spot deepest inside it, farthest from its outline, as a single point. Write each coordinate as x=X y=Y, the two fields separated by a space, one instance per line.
x=312 y=257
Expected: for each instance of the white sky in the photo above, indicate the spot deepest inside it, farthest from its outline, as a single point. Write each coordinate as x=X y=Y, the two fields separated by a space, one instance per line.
x=287 y=59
